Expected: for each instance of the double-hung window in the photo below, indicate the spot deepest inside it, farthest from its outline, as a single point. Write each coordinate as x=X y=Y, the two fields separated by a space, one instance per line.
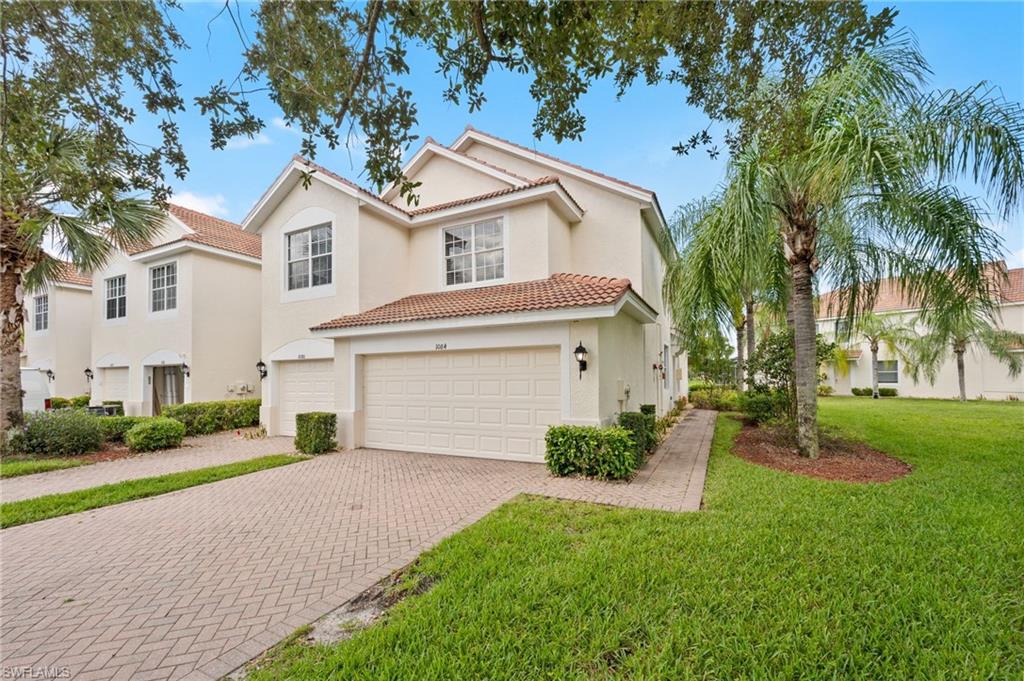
x=42 y=313
x=310 y=259
x=163 y=287
x=117 y=300
x=474 y=253
x=888 y=371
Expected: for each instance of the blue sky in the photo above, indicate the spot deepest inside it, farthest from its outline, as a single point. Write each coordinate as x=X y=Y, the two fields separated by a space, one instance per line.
x=629 y=138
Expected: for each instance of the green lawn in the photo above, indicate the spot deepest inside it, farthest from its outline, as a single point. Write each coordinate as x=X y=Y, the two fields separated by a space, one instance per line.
x=53 y=505
x=781 y=577
x=12 y=469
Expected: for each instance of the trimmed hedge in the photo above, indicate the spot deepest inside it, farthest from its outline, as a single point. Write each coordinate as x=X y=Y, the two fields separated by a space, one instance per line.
x=641 y=428
x=315 y=432
x=203 y=418
x=61 y=433
x=595 y=452
x=648 y=409
x=761 y=406
x=158 y=432
x=59 y=403
x=866 y=392
x=717 y=399
x=114 y=427
x=80 y=401
x=887 y=392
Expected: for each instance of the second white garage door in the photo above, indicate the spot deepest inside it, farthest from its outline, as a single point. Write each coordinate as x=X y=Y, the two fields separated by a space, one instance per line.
x=305 y=385
x=115 y=383
x=491 y=403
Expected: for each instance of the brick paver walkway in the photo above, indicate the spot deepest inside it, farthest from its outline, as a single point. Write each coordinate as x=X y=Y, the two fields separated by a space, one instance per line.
x=196 y=582
x=197 y=452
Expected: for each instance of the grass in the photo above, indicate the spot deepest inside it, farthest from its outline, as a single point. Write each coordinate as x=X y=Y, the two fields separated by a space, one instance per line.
x=781 y=577
x=15 y=468
x=53 y=505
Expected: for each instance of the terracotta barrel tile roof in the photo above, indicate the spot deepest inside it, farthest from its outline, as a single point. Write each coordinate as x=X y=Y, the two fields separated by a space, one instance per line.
x=69 y=274
x=539 y=182
x=211 y=231
x=557 y=291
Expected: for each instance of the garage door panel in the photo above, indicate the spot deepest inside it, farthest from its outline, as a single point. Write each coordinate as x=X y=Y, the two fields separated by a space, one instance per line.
x=306 y=386
x=491 y=403
x=115 y=383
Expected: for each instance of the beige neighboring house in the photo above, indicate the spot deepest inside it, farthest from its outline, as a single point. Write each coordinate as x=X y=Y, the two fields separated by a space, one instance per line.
x=450 y=326
x=57 y=338
x=984 y=375
x=179 y=320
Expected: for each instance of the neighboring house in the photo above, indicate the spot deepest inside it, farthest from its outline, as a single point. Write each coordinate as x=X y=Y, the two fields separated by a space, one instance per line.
x=178 y=320
x=450 y=326
x=985 y=376
x=57 y=335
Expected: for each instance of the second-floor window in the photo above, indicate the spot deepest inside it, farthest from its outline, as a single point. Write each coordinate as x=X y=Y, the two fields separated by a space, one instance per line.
x=117 y=300
x=309 y=257
x=163 y=290
x=42 y=313
x=888 y=371
x=474 y=253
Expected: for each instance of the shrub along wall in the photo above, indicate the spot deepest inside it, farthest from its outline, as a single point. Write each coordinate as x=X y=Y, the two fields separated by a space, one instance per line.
x=158 y=432
x=641 y=427
x=315 y=432
x=203 y=418
x=604 y=453
x=60 y=433
x=114 y=427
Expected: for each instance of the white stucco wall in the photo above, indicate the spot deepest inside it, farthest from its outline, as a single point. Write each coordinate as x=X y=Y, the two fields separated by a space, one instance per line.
x=444 y=180
x=65 y=346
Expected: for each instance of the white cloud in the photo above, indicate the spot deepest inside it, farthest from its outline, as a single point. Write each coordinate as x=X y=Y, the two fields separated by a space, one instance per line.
x=214 y=204
x=281 y=124
x=1015 y=258
x=244 y=142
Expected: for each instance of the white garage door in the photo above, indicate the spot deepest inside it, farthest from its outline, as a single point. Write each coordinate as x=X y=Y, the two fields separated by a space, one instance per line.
x=305 y=386
x=490 y=403
x=115 y=383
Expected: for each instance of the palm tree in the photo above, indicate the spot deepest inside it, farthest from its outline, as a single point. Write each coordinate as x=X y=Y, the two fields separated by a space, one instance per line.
x=877 y=330
x=856 y=188
x=44 y=202
x=959 y=331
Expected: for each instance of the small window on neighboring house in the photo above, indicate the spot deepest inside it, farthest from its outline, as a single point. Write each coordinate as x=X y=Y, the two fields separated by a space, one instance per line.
x=888 y=371
x=309 y=257
x=42 y=313
x=474 y=253
x=163 y=290
x=117 y=301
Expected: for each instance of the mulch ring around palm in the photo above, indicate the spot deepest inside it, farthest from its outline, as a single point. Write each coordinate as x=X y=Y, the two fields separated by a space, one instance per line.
x=840 y=459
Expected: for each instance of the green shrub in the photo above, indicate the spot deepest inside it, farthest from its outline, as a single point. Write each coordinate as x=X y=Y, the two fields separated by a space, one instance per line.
x=158 y=432
x=117 y=404
x=80 y=401
x=648 y=409
x=641 y=429
x=315 y=432
x=681 y=403
x=59 y=403
x=62 y=433
x=861 y=392
x=203 y=418
x=718 y=399
x=887 y=392
x=604 y=453
x=825 y=390
x=760 y=407
x=114 y=427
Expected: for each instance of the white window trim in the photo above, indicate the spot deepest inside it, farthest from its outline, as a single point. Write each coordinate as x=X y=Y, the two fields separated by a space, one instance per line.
x=899 y=371
x=163 y=314
x=45 y=330
x=443 y=270
x=106 y=299
x=303 y=221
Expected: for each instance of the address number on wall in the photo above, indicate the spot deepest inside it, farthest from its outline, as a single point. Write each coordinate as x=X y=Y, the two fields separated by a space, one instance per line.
x=440 y=346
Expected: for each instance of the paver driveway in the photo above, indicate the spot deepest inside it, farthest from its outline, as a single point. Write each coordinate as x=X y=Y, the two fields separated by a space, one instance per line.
x=196 y=582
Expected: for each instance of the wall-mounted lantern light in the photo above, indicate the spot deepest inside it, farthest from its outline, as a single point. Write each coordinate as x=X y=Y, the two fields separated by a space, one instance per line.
x=580 y=353
x=88 y=374
x=49 y=375
x=261 y=367
x=185 y=370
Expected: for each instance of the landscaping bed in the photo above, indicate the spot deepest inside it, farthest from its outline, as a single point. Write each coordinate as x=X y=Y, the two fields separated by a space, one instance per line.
x=839 y=459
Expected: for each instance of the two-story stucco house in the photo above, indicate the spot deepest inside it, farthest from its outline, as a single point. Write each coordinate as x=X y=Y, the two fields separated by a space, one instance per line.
x=451 y=326
x=57 y=337
x=984 y=375
x=179 y=320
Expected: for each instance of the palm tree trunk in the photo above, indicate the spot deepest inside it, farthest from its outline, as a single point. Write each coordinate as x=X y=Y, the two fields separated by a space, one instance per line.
x=806 y=359
x=750 y=336
x=960 y=375
x=874 y=371
x=740 y=373
x=12 y=324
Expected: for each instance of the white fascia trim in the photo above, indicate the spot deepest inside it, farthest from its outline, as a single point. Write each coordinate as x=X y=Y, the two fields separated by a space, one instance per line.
x=266 y=196
x=476 y=136
x=563 y=204
x=431 y=148
x=177 y=247
x=630 y=303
